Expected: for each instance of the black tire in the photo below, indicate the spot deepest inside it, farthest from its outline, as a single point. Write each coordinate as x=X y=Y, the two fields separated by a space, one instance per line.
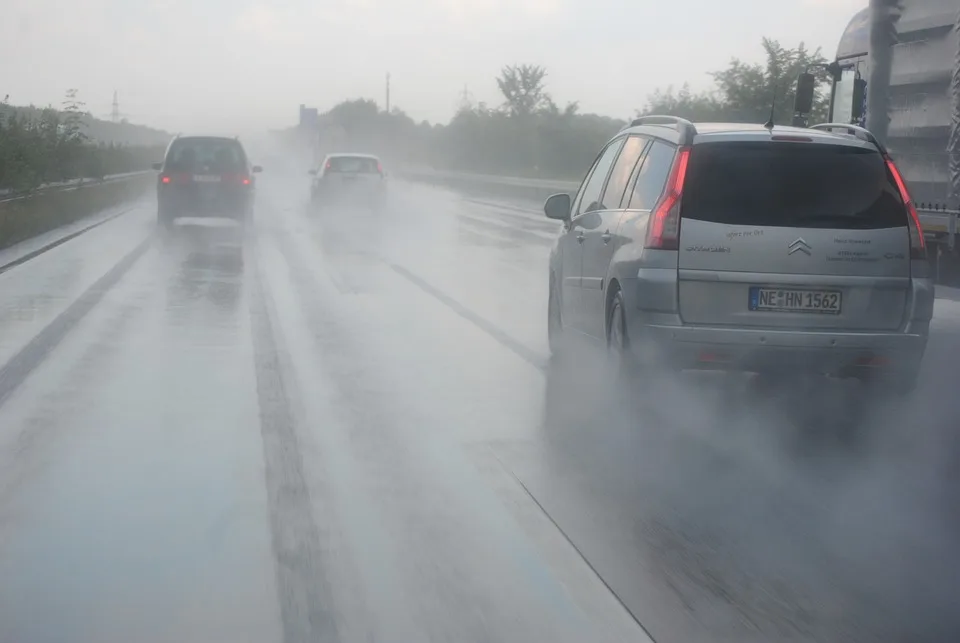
x=555 y=337
x=619 y=355
x=164 y=218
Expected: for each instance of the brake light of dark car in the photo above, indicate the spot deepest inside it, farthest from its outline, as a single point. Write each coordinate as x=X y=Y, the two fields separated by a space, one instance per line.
x=175 y=178
x=663 y=229
x=918 y=245
x=241 y=179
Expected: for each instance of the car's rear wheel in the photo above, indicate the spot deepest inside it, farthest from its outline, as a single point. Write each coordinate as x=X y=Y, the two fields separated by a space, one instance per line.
x=619 y=356
x=164 y=217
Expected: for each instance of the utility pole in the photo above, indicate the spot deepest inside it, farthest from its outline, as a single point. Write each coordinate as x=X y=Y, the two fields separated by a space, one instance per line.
x=388 y=92
x=115 y=109
x=884 y=15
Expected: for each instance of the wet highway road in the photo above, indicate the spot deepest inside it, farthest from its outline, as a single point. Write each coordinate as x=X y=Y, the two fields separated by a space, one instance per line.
x=341 y=428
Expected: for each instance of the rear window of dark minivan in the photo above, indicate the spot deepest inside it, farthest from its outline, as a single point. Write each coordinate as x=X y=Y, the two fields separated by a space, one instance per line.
x=206 y=154
x=791 y=184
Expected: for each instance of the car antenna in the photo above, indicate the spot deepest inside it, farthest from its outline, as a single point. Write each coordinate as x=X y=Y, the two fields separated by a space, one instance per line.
x=773 y=107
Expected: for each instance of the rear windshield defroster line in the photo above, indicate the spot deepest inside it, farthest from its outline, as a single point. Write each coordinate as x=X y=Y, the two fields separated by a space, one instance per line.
x=787 y=184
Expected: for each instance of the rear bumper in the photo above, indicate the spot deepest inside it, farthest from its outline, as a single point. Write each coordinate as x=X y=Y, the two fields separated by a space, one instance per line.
x=186 y=208
x=659 y=336
x=763 y=350
x=351 y=194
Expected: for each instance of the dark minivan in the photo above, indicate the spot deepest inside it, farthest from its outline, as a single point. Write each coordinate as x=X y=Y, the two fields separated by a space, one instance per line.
x=205 y=176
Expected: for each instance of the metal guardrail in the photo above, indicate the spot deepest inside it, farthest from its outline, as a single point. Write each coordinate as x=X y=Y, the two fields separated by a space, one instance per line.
x=74 y=184
x=941 y=222
x=490 y=179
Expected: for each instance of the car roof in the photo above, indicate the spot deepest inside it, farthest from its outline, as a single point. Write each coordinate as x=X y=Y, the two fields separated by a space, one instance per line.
x=212 y=137
x=718 y=132
x=353 y=155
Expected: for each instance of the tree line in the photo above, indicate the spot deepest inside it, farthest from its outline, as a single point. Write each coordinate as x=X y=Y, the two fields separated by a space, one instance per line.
x=49 y=145
x=529 y=134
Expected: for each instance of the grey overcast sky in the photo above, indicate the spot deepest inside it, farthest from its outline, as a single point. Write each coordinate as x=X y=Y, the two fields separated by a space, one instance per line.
x=246 y=64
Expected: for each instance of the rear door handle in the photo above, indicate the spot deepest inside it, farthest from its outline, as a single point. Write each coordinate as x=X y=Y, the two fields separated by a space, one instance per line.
x=606 y=236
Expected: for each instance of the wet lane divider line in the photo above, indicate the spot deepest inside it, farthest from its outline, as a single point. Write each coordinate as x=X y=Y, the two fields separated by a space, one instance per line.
x=531 y=357
x=505 y=206
x=53 y=244
x=28 y=358
x=543 y=365
x=304 y=597
x=506 y=230
x=569 y=540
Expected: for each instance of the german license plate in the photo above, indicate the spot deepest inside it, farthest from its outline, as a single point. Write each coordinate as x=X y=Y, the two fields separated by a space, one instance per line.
x=785 y=300
x=206 y=178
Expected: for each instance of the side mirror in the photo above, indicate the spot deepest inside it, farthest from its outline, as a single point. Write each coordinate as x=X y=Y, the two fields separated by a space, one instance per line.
x=257 y=169
x=806 y=86
x=859 y=94
x=312 y=172
x=557 y=206
x=157 y=166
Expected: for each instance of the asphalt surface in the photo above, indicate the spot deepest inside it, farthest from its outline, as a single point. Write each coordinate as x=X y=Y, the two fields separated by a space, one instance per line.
x=342 y=426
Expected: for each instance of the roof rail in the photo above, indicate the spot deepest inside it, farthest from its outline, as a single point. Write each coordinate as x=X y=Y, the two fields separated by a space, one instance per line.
x=860 y=132
x=686 y=129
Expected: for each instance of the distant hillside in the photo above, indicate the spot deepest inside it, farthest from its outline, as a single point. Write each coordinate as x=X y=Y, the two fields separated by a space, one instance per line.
x=122 y=133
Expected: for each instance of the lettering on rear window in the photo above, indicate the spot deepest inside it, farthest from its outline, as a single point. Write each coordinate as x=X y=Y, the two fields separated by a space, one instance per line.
x=739 y=234
x=721 y=249
x=854 y=256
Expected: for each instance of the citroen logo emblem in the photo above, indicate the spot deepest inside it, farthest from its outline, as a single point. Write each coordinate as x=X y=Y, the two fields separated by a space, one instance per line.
x=799 y=246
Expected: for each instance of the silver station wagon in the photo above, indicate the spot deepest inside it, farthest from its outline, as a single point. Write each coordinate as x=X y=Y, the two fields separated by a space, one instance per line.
x=745 y=248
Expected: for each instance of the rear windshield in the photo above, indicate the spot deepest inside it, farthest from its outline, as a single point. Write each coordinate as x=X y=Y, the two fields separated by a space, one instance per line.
x=200 y=155
x=360 y=164
x=790 y=184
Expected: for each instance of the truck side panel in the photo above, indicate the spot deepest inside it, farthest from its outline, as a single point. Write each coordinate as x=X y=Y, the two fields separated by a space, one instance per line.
x=922 y=108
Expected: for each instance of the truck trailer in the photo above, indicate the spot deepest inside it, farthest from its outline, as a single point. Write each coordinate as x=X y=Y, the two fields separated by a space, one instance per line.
x=897 y=73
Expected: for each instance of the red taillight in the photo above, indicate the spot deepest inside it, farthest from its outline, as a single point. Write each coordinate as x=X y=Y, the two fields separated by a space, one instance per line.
x=234 y=179
x=663 y=230
x=177 y=178
x=379 y=167
x=918 y=245
x=328 y=165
